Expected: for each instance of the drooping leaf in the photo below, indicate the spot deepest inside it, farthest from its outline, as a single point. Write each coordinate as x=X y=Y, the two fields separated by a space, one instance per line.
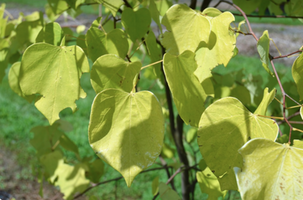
x=270 y=171
x=267 y=99
x=209 y=184
x=187 y=92
x=186 y=28
x=227 y=122
x=155 y=185
x=297 y=74
x=126 y=130
x=54 y=73
x=166 y=193
x=136 y=23
x=110 y=71
x=100 y=43
x=51 y=33
x=219 y=49
x=46 y=138
x=263 y=50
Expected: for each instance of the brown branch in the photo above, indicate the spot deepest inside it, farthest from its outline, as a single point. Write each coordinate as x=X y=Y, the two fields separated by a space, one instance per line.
x=283 y=56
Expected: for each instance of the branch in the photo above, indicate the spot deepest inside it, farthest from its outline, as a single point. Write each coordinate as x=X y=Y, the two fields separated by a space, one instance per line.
x=116 y=179
x=167 y=172
x=283 y=56
x=193 y=4
x=205 y=4
x=270 y=16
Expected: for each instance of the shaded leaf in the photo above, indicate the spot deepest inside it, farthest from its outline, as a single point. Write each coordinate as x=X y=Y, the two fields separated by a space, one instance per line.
x=187 y=92
x=224 y=122
x=263 y=50
x=126 y=130
x=51 y=33
x=267 y=99
x=166 y=193
x=155 y=186
x=297 y=74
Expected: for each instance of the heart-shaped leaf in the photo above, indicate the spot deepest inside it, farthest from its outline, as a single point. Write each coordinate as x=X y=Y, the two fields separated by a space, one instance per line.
x=297 y=74
x=110 y=71
x=54 y=73
x=126 y=130
x=136 y=23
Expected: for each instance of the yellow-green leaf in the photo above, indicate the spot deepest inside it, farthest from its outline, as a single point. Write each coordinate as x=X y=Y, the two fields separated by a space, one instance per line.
x=225 y=126
x=186 y=29
x=187 y=92
x=126 y=130
x=297 y=74
x=110 y=71
x=54 y=73
x=263 y=50
x=267 y=99
x=270 y=171
x=155 y=185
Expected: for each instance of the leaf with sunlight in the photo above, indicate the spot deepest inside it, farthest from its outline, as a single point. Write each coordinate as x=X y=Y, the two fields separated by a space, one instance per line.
x=53 y=72
x=126 y=130
x=270 y=171
x=227 y=122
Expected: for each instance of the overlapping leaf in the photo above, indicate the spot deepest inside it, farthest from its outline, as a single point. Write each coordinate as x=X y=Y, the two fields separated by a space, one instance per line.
x=126 y=130
x=209 y=184
x=166 y=193
x=270 y=171
x=54 y=73
x=267 y=99
x=110 y=71
x=51 y=33
x=219 y=49
x=187 y=92
x=297 y=74
x=100 y=42
x=112 y=5
x=227 y=122
x=136 y=23
x=187 y=28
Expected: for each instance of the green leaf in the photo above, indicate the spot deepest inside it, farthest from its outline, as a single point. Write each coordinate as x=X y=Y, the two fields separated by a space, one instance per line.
x=126 y=130
x=227 y=122
x=3 y=62
x=187 y=91
x=155 y=186
x=186 y=32
x=51 y=33
x=136 y=23
x=209 y=184
x=220 y=48
x=112 y=5
x=297 y=74
x=110 y=71
x=167 y=151
x=100 y=43
x=298 y=144
x=191 y=135
x=263 y=50
x=58 y=6
x=68 y=144
x=166 y=193
x=270 y=171
x=267 y=99
x=155 y=14
x=248 y=6
x=96 y=170
x=46 y=138
x=3 y=21
x=54 y=73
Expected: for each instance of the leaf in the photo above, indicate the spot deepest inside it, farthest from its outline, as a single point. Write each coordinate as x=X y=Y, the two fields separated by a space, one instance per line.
x=54 y=73
x=227 y=122
x=58 y=6
x=209 y=184
x=220 y=48
x=298 y=144
x=136 y=23
x=46 y=138
x=155 y=14
x=297 y=74
x=187 y=92
x=267 y=99
x=51 y=33
x=100 y=43
x=13 y=79
x=191 y=135
x=126 y=130
x=110 y=71
x=166 y=193
x=211 y=12
x=112 y=5
x=270 y=171
x=248 y=6
x=186 y=28
x=155 y=186
x=68 y=144
x=263 y=50
x=96 y=170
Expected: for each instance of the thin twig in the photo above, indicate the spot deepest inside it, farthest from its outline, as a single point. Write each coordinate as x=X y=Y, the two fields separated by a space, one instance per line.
x=283 y=56
x=151 y=64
